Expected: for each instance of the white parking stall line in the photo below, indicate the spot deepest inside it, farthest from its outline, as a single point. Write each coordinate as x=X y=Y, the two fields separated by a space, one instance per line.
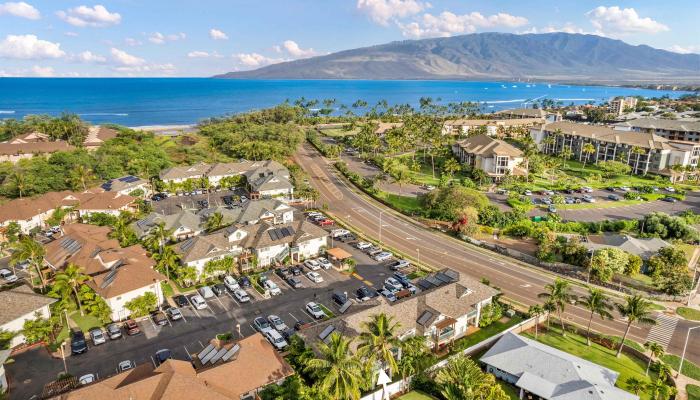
x=232 y=298
x=155 y=328
x=154 y=362
x=251 y=327
x=295 y=318
x=183 y=316
x=187 y=352
x=195 y=312
x=200 y=343
x=313 y=319
x=221 y=302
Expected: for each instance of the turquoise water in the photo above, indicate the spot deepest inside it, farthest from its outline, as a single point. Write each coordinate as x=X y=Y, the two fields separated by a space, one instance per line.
x=156 y=101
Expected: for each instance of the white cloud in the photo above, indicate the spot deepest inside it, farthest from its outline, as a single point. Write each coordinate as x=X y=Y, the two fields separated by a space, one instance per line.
x=198 y=54
x=125 y=59
x=159 y=38
x=295 y=51
x=90 y=57
x=44 y=72
x=566 y=28
x=97 y=16
x=28 y=47
x=616 y=20
x=71 y=34
x=20 y=9
x=132 y=42
x=383 y=11
x=448 y=24
x=692 y=49
x=255 y=59
x=217 y=34
x=147 y=70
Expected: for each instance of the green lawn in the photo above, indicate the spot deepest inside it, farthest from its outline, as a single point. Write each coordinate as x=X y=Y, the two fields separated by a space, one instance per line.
x=485 y=333
x=85 y=322
x=576 y=345
x=416 y=395
x=167 y=289
x=693 y=392
x=510 y=390
x=327 y=311
x=692 y=314
x=689 y=368
x=405 y=204
x=338 y=132
x=597 y=204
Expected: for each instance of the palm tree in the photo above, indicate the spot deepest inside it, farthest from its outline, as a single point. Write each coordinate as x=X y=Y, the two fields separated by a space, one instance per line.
x=70 y=280
x=638 y=151
x=338 y=371
x=215 y=221
x=462 y=379
x=536 y=311
x=30 y=250
x=589 y=149
x=159 y=236
x=549 y=306
x=451 y=166
x=19 y=180
x=547 y=142
x=663 y=370
x=378 y=339
x=658 y=390
x=81 y=176
x=656 y=350
x=559 y=293
x=597 y=303
x=635 y=385
x=635 y=309
x=167 y=259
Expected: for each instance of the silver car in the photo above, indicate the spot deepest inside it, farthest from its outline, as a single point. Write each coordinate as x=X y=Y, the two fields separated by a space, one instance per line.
x=97 y=336
x=277 y=323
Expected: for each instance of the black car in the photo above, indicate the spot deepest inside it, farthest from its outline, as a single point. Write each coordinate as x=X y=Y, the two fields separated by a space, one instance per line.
x=670 y=199
x=228 y=200
x=288 y=333
x=282 y=273
x=181 y=300
x=569 y=191
x=159 y=318
x=296 y=270
x=610 y=189
x=339 y=298
x=365 y=293
x=244 y=281
x=162 y=355
x=294 y=282
x=158 y=197
x=78 y=345
x=219 y=289
x=613 y=197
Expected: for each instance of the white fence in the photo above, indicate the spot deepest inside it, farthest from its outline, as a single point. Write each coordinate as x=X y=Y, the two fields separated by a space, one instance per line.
x=403 y=385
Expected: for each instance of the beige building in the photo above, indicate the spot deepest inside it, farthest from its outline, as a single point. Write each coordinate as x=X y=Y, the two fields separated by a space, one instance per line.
x=495 y=157
x=492 y=126
x=670 y=129
x=620 y=104
x=20 y=304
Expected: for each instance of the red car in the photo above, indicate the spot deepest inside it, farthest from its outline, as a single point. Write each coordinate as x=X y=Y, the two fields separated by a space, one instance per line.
x=326 y=222
x=131 y=327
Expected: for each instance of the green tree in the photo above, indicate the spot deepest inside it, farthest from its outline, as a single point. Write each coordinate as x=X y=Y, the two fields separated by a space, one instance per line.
x=638 y=152
x=142 y=305
x=655 y=351
x=597 y=303
x=337 y=370
x=635 y=385
x=69 y=281
x=451 y=166
x=415 y=357
x=462 y=379
x=39 y=329
x=559 y=292
x=94 y=304
x=637 y=310
x=80 y=177
x=535 y=311
x=27 y=249
x=6 y=338
x=215 y=221
x=608 y=261
x=378 y=339
x=587 y=149
x=669 y=270
x=167 y=260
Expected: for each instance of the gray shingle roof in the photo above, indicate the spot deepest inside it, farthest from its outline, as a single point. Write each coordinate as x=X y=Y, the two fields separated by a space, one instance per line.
x=551 y=373
x=643 y=247
x=488 y=146
x=663 y=124
x=20 y=301
x=609 y=134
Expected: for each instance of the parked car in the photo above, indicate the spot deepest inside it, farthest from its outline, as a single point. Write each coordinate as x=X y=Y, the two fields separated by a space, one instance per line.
x=241 y=295
x=125 y=366
x=325 y=264
x=314 y=277
x=159 y=318
x=610 y=188
x=548 y=192
x=8 y=276
x=288 y=333
x=363 y=245
x=294 y=282
x=87 y=379
x=282 y=273
x=206 y=292
x=326 y=222
x=402 y=278
x=339 y=298
x=315 y=310
x=97 y=336
x=670 y=189
x=231 y=283
x=613 y=197
x=527 y=193
x=501 y=191
x=392 y=284
x=373 y=251
x=312 y=265
x=181 y=300
x=219 y=289
x=670 y=199
x=552 y=208
x=336 y=233
x=162 y=356
x=588 y=198
x=277 y=322
x=587 y=189
x=296 y=270
x=272 y=287
x=364 y=293
x=244 y=281
x=398 y=264
x=276 y=339
x=78 y=345
x=174 y=313
x=198 y=302
x=383 y=256
x=388 y=294
x=131 y=327
x=114 y=331
x=625 y=188
x=261 y=325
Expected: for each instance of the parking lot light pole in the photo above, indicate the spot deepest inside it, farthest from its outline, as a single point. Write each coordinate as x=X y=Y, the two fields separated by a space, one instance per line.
x=685 y=346
x=694 y=288
x=380 y=226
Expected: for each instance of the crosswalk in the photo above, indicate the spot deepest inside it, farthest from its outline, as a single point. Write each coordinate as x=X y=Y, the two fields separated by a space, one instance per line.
x=662 y=332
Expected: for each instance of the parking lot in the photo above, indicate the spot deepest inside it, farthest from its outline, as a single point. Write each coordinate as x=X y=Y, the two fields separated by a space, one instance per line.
x=175 y=203
x=190 y=334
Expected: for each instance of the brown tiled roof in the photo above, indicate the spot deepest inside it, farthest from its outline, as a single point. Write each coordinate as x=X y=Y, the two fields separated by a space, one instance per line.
x=29 y=137
x=256 y=365
x=496 y=122
x=185 y=172
x=488 y=146
x=20 y=301
x=97 y=135
x=609 y=134
x=382 y=127
x=26 y=208
x=524 y=112
x=10 y=149
x=136 y=271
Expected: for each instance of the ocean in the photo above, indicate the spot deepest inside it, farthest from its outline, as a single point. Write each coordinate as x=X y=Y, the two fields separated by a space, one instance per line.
x=177 y=101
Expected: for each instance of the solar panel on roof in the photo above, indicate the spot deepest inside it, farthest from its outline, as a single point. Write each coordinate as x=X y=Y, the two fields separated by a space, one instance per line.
x=273 y=234
x=208 y=356
x=326 y=332
x=186 y=245
x=443 y=278
x=111 y=275
x=234 y=350
x=206 y=350
x=424 y=318
x=434 y=281
x=452 y=274
x=218 y=355
x=425 y=285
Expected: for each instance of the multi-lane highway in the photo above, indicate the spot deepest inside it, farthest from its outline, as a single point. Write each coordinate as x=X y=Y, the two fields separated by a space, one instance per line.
x=519 y=282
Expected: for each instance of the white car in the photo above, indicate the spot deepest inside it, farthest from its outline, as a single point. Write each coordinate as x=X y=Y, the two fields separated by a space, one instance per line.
x=315 y=310
x=8 y=276
x=527 y=193
x=383 y=256
x=198 y=302
x=363 y=245
x=174 y=313
x=393 y=285
x=276 y=339
x=670 y=189
x=587 y=189
x=206 y=292
x=272 y=287
x=588 y=198
x=277 y=323
x=125 y=365
x=231 y=283
x=241 y=295
x=625 y=188
x=312 y=265
x=87 y=379
x=336 y=233
x=325 y=264
x=314 y=276
x=398 y=264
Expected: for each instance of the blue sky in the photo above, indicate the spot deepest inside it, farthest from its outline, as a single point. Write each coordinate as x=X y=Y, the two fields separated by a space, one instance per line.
x=206 y=37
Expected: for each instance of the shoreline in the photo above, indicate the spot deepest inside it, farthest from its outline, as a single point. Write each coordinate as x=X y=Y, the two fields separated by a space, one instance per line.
x=165 y=130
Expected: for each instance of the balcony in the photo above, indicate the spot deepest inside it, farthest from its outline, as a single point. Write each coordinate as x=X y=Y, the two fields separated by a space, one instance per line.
x=446 y=334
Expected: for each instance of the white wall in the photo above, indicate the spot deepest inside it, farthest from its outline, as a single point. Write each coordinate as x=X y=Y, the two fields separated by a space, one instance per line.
x=312 y=247
x=16 y=325
x=120 y=312
x=266 y=254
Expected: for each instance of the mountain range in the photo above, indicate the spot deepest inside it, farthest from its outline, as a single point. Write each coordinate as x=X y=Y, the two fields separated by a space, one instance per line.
x=495 y=56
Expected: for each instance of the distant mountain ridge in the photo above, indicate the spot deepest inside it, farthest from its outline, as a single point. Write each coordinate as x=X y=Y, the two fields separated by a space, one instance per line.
x=495 y=56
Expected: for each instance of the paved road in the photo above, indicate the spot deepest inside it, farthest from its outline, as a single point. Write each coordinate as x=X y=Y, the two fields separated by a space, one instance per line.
x=518 y=282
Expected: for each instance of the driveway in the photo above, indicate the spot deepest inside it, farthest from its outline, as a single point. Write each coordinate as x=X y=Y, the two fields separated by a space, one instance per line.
x=174 y=203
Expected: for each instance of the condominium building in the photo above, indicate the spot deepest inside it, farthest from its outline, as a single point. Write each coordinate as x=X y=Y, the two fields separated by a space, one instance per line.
x=490 y=126
x=495 y=157
x=670 y=129
x=620 y=104
x=644 y=152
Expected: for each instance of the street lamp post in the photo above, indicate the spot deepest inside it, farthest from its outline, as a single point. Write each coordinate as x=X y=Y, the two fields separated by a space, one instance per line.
x=695 y=286
x=685 y=346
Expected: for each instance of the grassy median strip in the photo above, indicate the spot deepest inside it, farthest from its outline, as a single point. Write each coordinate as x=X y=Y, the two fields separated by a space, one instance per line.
x=690 y=369
x=329 y=313
x=693 y=392
x=689 y=313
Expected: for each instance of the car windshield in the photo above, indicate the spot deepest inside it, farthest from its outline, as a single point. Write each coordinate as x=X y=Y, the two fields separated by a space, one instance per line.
x=263 y=323
x=316 y=308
